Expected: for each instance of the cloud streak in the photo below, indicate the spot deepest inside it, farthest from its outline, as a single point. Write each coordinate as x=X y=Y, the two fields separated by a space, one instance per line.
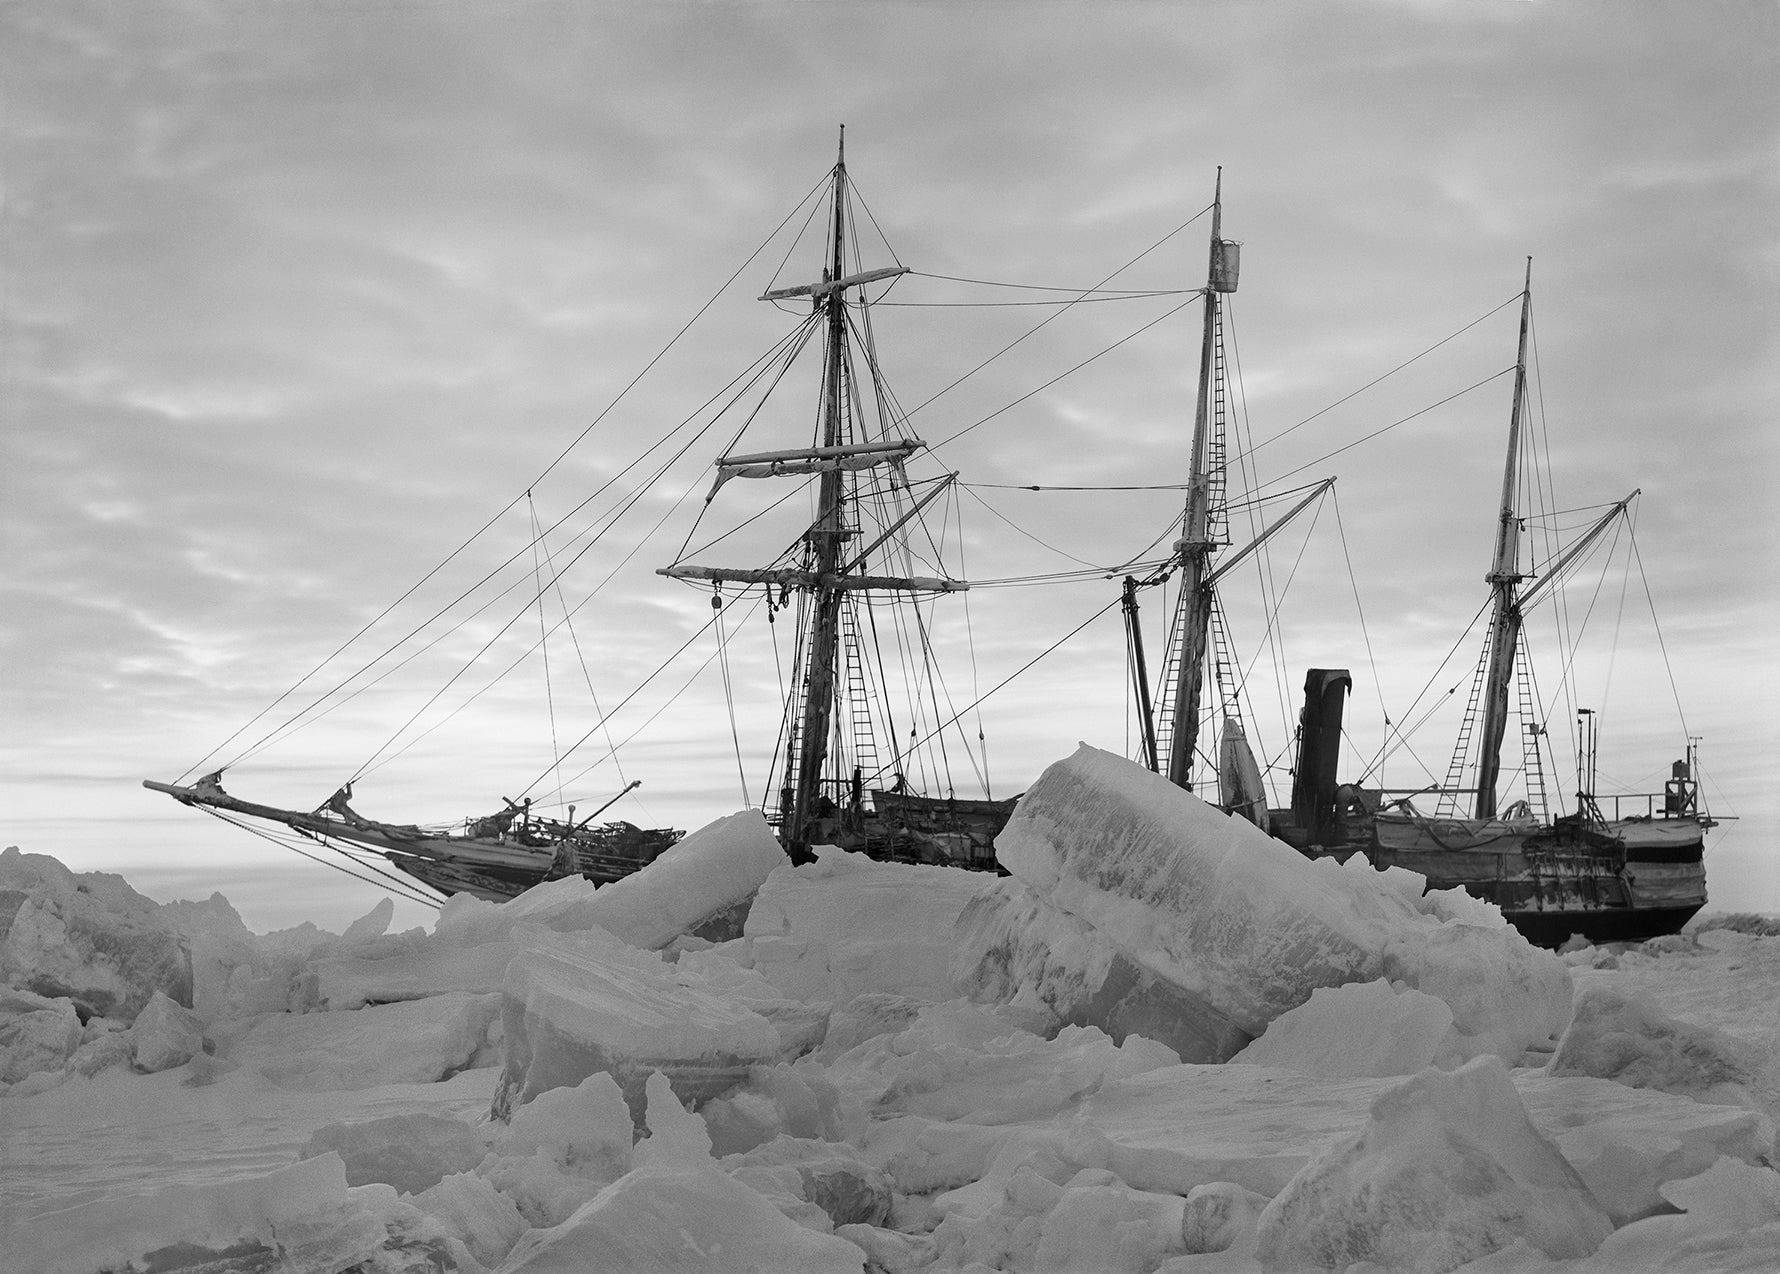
x=299 y=296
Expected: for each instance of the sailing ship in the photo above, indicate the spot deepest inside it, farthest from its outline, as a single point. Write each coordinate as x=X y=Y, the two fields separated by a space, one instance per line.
x=1624 y=867
x=842 y=773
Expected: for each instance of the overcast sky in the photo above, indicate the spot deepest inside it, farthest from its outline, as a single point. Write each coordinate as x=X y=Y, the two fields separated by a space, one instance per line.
x=297 y=296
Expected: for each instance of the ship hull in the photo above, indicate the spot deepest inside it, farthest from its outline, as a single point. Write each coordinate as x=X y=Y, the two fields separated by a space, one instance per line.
x=1626 y=881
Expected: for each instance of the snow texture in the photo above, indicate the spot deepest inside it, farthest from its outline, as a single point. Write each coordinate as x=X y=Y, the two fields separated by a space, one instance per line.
x=574 y=1004
x=1619 y=1037
x=1449 y=1169
x=1363 y=1028
x=410 y=1152
x=89 y=938
x=165 y=1035
x=411 y=1043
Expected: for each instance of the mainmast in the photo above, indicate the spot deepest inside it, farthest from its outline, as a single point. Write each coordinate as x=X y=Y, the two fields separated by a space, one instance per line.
x=1194 y=548
x=1504 y=580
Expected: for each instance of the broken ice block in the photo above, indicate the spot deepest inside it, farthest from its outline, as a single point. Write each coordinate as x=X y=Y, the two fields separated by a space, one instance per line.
x=1450 y=1169
x=1139 y=908
x=574 y=1004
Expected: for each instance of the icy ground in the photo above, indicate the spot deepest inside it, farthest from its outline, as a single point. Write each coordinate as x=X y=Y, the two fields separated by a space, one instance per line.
x=886 y=1068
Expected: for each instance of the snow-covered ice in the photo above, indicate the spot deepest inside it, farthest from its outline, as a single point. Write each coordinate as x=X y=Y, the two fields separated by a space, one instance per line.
x=563 y=1083
x=1134 y=906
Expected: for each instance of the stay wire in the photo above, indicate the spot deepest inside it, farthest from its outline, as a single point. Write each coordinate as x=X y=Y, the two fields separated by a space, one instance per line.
x=505 y=509
x=543 y=590
x=1038 y=326
x=624 y=507
x=728 y=687
x=1386 y=376
x=1387 y=428
x=1403 y=735
x=1034 y=392
x=316 y=710
x=390 y=884
x=638 y=689
x=1353 y=582
x=1668 y=668
x=374 y=764
x=1020 y=671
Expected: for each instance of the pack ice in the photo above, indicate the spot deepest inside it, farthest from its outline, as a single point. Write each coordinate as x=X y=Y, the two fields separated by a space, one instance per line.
x=1137 y=908
x=732 y=1063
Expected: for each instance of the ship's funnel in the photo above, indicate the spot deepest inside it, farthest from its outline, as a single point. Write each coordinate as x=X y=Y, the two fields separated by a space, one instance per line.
x=1319 y=749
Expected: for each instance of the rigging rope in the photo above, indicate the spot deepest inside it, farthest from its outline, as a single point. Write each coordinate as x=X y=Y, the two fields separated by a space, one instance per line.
x=1662 y=646
x=1394 y=424
x=728 y=686
x=1052 y=381
x=1034 y=329
x=1022 y=669
x=1386 y=376
x=544 y=637
x=392 y=884
x=205 y=762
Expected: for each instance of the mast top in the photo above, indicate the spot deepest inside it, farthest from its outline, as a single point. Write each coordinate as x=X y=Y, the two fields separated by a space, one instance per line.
x=840 y=156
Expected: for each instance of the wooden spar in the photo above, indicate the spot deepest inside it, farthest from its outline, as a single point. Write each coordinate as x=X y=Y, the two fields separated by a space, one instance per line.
x=825 y=542
x=383 y=838
x=777 y=462
x=1195 y=546
x=1556 y=570
x=904 y=520
x=1237 y=559
x=822 y=289
x=805 y=460
x=838 y=581
x=1504 y=579
x=1140 y=675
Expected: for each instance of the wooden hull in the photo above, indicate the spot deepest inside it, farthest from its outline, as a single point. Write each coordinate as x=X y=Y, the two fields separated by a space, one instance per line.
x=1625 y=882
x=906 y=827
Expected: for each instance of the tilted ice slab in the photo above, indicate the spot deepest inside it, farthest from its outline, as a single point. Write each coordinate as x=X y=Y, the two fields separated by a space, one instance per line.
x=1139 y=908
x=433 y=968
x=710 y=872
x=845 y=926
x=574 y=1004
